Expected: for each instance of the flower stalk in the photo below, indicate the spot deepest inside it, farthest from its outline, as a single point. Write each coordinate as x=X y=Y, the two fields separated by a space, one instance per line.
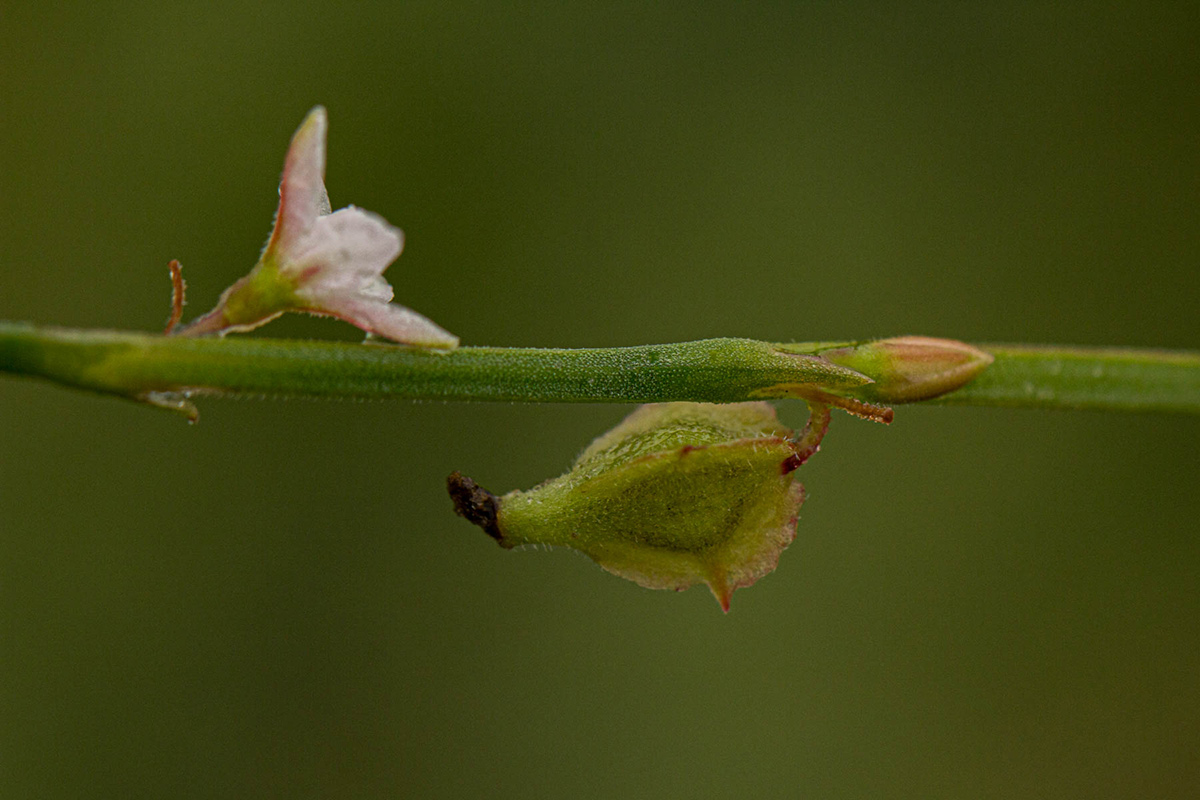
x=143 y=366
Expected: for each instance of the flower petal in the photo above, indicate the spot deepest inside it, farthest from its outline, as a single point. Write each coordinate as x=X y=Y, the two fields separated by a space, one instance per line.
x=338 y=270
x=302 y=195
x=346 y=250
x=389 y=320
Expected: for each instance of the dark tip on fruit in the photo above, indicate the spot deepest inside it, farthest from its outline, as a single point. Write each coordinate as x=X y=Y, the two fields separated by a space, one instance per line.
x=475 y=504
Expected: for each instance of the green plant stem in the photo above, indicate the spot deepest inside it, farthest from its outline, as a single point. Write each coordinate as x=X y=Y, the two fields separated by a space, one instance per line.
x=1103 y=378
x=163 y=368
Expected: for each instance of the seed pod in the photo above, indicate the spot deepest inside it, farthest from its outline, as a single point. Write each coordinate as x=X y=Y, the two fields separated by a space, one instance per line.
x=677 y=494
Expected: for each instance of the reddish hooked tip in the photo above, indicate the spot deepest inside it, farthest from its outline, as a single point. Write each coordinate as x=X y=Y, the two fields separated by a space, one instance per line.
x=178 y=290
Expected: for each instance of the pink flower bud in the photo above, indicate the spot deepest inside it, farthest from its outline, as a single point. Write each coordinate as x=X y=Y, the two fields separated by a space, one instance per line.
x=911 y=368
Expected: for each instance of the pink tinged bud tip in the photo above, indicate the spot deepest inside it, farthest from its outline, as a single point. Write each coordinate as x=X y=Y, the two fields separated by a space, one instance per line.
x=906 y=369
x=329 y=264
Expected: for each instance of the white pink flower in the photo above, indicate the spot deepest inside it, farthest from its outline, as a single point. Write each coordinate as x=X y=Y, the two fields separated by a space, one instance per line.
x=319 y=262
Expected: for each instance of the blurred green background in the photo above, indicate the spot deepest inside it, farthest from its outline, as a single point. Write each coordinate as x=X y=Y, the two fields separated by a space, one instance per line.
x=278 y=602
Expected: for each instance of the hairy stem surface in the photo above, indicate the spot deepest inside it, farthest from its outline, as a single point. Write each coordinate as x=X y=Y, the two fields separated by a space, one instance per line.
x=153 y=367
